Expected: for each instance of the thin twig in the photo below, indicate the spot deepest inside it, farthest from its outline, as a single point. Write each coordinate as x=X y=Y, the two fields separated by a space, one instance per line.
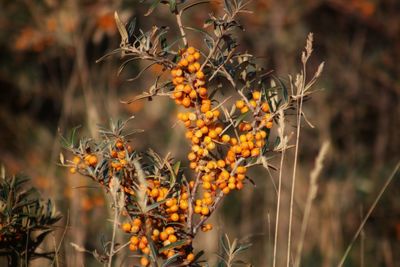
x=278 y=202
x=178 y=16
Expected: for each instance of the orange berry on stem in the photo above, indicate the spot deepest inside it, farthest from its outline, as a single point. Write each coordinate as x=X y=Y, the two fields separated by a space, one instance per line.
x=191 y=50
x=174 y=217
x=144 y=261
x=256 y=95
x=240 y=104
x=126 y=227
x=200 y=75
x=190 y=257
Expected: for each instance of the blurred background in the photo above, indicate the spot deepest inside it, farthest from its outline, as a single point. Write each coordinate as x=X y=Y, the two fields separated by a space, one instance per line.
x=50 y=83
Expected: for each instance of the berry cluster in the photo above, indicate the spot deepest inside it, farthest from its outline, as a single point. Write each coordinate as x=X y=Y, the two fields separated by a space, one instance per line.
x=220 y=153
x=208 y=133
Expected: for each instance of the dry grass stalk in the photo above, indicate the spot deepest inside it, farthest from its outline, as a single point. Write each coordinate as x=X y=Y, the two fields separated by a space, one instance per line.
x=371 y=209
x=312 y=193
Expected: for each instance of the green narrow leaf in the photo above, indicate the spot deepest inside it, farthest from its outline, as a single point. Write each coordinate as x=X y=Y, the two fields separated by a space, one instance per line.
x=152 y=7
x=172 y=5
x=154 y=205
x=173 y=245
x=284 y=89
x=177 y=167
x=168 y=262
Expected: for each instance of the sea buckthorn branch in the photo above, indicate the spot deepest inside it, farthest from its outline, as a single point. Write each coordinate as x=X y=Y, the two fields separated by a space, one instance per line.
x=152 y=202
x=163 y=211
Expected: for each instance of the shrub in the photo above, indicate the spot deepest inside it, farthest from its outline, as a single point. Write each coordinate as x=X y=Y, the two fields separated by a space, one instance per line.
x=25 y=221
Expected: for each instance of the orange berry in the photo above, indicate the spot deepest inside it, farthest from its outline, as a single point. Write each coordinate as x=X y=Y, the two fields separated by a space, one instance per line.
x=142 y=245
x=72 y=170
x=134 y=240
x=255 y=152
x=170 y=202
x=174 y=208
x=196 y=65
x=209 y=114
x=200 y=75
x=226 y=190
x=253 y=103
x=76 y=160
x=256 y=95
x=211 y=146
x=193 y=165
x=205 y=107
x=183 y=205
x=121 y=154
x=156 y=232
x=196 y=55
x=239 y=185
x=169 y=230
x=189 y=134
x=174 y=217
x=200 y=123
x=213 y=134
x=178 y=72
x=240 y=104
x=193 y=94
x=233 y=141
x=190 y=58
x=204 y=130
x=187 y=89
x=177 y=94
x=244 y=109
x=186 y=102
x=192 y=68
x=137 y=222
x=144 y=261
x=241 y=177
x=172 y=238
x=126 y=227
x=146 y=250
x=132 y=247
x=114 y=154
x=183 y=62
x=170 y=254
x=163 y=236
x=192 y=156
x=190 y=257
x=246 y=153
x=206 y=185
x=119 y=144
x=221 y=163
x=202 y=91
x=184 y=196
x=205 y=210
x=241 y=169
x=92 y=160
x=191 y=50
x=265 y=107
x=197 y=209
x=231 y=186
x=225 y=138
